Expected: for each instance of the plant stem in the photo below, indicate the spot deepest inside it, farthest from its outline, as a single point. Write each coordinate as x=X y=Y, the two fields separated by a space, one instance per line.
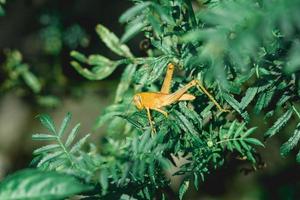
x=65 y=151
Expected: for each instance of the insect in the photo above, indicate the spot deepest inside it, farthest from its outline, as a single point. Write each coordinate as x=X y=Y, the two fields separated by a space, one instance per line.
x=157 y=100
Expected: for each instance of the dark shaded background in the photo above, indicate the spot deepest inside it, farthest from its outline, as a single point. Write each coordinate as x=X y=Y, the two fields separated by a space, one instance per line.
x=27 y=27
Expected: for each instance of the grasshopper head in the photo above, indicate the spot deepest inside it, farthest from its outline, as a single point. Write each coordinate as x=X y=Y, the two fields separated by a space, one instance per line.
x=137 y=99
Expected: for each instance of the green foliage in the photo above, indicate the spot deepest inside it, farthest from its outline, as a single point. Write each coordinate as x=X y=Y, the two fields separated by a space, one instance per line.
x=241 y=50
x=59 y=155
x=18 y=73
x=236 y=138
x=54 y=35
x=23 y=78
x=2 y=12
x=291 y=143
x=102 y=66
x=279 y=123
x=113 y=42
x=42 y=79
x=183 y=188
x=244 y=52
x=140 y=157
x=32 y=184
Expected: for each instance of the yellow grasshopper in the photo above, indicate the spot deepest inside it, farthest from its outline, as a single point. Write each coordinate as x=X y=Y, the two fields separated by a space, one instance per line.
x=157 y=100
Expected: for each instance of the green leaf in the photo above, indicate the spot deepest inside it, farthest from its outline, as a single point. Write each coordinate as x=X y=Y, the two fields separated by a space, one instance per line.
x=98 y=61
x=79 y=144
x=79 y=56
x=127 y=197
x=132 y=121
x=46 y=149
x=98 y=72
x=49 y=157
x=2 y=12
x=279 y=124
x=298 y=157
x=72 y=135
x=33 y=184
x=103 y=179
x=144 y=141
x=239 y=130
x=132 y=29
x=109 y=113
x=283 y=99
x=163 y=13
x=125 y=82
x=264 y=100
x=133 y=11
x=231 y=129
x=196 y=181
x=184 y=123
x=154 y=22
x=32 y=81
x=235 y=105
x=250 y=156
x=249 y=96
x=254 y=141
x=47 y=121
x=113 y=42
x=291 y=143
x=159 y=65
x=245 y=145
x=48 y=101
x=183 y=189
x=293 y=63
x=44 y=137
x=64 y=124
x=249 y=132
x=260 y=103
x=191 y=114
x=59 y=163
x=237 y=146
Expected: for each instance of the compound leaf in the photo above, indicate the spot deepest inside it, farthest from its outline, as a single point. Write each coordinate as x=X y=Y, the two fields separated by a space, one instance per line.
x=279 y=124
x=291 y=143
x=33 y=184
x=113 y=42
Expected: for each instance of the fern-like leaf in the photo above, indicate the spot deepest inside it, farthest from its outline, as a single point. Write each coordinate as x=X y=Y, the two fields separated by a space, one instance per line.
x=236 y=138
x=61 y=153
x=113 y=42
x=291 y=143
x=279 y=124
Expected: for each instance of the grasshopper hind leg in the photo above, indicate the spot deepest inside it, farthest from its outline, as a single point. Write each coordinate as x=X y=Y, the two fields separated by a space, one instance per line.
x=168 y=79
x=200 y=87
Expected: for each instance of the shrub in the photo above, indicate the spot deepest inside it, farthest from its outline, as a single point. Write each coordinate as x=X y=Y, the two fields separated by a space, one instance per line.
x=245 y=53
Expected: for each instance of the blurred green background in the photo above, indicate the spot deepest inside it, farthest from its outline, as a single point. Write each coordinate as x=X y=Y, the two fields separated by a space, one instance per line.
x=42 y=33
